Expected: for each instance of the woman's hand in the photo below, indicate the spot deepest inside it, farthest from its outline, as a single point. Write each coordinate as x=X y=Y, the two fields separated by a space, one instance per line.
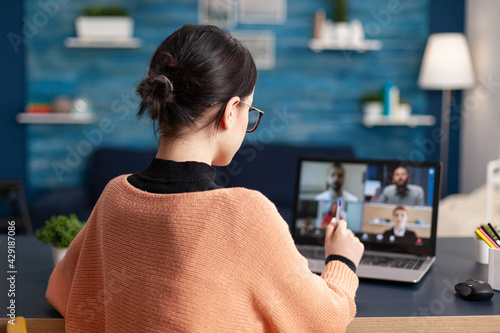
x=341 y=241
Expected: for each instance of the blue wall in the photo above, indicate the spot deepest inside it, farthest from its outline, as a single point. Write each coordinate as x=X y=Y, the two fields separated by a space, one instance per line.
x=310 y=98
x=453 y=21
x=12 y=92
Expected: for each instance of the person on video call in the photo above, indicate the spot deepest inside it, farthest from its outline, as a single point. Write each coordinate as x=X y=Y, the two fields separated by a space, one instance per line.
x=331 y=215
x=399 y=233
x=400 y=192
x=168 y=250
x=334 y=182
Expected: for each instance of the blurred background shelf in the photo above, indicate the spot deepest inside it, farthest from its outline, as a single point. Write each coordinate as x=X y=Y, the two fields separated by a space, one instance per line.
x=129 y=43
x=413 y=121
x=55 y=118
x=362 y=46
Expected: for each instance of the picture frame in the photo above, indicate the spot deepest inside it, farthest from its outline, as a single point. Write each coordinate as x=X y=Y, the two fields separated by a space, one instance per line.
x=262 y=11
x=262 y=46
x=222 y=13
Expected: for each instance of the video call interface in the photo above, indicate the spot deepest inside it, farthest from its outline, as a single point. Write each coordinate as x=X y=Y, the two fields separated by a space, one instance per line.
x=386 y=204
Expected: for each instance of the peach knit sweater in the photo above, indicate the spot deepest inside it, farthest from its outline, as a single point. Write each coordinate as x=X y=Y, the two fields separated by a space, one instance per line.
x=213 y=261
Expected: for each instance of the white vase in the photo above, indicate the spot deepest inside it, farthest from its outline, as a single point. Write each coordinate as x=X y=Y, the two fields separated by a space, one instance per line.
x=343 y=33
x=404 y=112
x=58 y=254
x=372 y=111
x=104 y=28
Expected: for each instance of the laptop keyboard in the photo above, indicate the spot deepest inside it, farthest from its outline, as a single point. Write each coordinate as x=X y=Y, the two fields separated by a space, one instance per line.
x=374 y=260
x=316 y=253
x=406 y=263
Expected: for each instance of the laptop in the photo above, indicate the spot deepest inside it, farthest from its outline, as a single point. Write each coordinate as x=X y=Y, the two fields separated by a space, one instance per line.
x=393 y=216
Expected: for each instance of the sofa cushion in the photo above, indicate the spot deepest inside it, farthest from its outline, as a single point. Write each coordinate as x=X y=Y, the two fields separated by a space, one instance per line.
x=269 y=169
x=109 y=163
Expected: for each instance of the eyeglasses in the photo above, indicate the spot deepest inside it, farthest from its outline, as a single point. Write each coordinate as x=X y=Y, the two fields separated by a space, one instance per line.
x=254 y=116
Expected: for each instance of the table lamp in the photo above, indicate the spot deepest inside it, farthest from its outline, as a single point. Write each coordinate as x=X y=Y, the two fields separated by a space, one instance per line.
x=446 y=66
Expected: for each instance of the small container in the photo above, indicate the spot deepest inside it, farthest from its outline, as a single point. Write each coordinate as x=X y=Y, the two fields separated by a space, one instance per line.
x=482 y=251
x=404 y=112
x=372 y=111
x=58 y=254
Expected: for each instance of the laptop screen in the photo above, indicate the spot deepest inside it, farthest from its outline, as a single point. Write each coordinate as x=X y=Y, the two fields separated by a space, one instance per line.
x=390 y=205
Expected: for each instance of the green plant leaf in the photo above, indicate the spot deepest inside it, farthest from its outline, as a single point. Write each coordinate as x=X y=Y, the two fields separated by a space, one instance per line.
x=98 y=10
x=59 y=230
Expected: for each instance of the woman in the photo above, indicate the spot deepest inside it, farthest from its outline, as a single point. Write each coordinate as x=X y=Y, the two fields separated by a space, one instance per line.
x=167 y=250
x=331 y=215
x=399 y=233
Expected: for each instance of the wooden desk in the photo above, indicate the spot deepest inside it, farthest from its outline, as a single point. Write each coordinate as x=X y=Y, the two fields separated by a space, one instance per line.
x=359 y=325
x=430 y=306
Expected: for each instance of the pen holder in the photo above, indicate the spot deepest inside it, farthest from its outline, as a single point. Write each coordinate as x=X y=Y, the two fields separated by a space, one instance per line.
x=482 y=251
x=494 y=268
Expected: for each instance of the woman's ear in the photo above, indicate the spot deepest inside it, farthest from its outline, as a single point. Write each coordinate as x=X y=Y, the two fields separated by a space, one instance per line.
x=229 y=116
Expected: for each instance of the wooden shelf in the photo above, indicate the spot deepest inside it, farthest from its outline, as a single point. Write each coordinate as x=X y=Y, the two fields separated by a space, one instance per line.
x=413 y=121
x=319 y=45
x=129 y=43
x=55 y=118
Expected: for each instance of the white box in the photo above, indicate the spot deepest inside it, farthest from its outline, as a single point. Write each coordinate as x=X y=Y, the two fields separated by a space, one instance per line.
x=104 y=27
x=494 y=268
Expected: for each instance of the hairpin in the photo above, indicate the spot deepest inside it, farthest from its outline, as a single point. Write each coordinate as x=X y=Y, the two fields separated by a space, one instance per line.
x=167 y=81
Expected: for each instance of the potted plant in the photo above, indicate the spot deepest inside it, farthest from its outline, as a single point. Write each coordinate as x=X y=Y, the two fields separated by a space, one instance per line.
x=372 y=106
x=59 y=231
x=339 y=10
x=104 y=23
x=341 y=28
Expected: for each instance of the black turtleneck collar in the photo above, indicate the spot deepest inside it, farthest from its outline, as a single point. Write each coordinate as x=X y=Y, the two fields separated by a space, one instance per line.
x=163 y=176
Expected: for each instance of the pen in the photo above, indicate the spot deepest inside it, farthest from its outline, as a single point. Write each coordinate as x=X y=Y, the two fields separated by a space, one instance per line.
x=495 y=232
x=339 y=208
x=481 y=234
x=488 y=237
x=489 y=234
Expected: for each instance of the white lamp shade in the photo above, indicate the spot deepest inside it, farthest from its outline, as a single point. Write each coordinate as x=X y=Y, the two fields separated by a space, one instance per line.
x=447 y=64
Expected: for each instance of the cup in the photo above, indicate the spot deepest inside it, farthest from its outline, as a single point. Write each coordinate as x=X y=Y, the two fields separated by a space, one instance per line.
x=372 y=111
x=404 y=112
x=482 y=251
x=494 y=268
x=343 y=33
x=357 y=34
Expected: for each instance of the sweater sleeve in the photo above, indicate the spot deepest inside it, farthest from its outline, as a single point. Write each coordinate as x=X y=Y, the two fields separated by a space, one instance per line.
x=290 y=297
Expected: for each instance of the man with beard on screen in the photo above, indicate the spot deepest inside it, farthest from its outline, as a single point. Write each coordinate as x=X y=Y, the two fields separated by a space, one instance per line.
x=335 y=177
x=400 y=192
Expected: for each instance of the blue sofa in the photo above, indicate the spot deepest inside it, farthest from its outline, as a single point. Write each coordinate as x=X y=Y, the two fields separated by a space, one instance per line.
x=270 y=169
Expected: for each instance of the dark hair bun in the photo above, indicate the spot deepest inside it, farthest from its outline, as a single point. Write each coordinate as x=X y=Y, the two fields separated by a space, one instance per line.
x=157 y=92
x=194 y=68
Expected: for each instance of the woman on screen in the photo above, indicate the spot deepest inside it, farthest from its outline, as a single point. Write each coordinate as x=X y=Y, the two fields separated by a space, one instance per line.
x=400 y=233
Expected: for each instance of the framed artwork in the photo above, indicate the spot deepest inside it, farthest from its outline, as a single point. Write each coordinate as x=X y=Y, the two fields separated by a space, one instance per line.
x=262 y=11
x=262 y=46
x=222 y=13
